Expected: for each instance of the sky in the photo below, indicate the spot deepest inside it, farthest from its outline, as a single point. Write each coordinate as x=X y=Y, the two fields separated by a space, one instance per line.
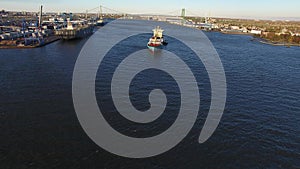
x=259 y=9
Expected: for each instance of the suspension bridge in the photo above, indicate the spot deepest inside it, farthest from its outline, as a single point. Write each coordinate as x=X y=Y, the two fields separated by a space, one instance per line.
x=178 y=14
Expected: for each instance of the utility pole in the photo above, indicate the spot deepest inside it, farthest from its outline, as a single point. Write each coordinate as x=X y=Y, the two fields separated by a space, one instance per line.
x=40 y=17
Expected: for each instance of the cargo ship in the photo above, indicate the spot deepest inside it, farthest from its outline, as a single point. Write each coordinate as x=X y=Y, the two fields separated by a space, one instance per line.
x=75 y=30
x=157 y=40
x=100 y=22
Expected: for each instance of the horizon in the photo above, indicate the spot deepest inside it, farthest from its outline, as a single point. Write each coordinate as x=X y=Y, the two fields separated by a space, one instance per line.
x=267 y=10
x=292 y=19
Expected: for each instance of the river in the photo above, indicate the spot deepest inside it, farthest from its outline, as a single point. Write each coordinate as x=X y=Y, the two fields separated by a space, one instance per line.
x=259 y=129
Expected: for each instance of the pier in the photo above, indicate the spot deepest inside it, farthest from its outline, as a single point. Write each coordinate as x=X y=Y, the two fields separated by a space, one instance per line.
x=27 y=31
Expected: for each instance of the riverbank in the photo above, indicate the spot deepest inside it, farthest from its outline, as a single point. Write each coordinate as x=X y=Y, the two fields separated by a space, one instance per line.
x=11 y=44
x=261 y=40
x=274 y=43
x=235 y=33
x=278 y=43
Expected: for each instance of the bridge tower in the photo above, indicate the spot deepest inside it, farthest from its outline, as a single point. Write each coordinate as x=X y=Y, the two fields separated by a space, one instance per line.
x=100 y=12
x=183 y=12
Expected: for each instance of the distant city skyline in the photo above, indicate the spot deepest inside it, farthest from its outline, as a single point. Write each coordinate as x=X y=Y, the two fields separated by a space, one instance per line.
x=256 y=9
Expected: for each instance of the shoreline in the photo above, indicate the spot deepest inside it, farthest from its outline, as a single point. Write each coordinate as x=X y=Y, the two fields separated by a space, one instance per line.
x=52 y=39
x=48 y=40
x=262 y=40
x=235 y=33
x=268 y=42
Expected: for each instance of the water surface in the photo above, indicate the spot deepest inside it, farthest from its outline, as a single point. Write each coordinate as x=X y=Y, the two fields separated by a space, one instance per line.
x=259 y=129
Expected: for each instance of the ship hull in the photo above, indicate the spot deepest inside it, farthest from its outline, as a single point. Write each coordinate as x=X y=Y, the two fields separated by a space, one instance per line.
x=154 y=48
x=74 y=33
x=101 y=23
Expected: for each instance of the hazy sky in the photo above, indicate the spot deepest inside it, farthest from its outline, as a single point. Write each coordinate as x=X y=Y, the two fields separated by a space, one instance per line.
x=221 y=8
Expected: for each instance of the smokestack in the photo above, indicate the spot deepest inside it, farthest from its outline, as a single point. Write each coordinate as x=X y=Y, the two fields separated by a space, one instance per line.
x=40 y=17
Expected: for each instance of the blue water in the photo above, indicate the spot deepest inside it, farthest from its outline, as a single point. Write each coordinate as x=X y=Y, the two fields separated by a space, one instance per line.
x=259 y=129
